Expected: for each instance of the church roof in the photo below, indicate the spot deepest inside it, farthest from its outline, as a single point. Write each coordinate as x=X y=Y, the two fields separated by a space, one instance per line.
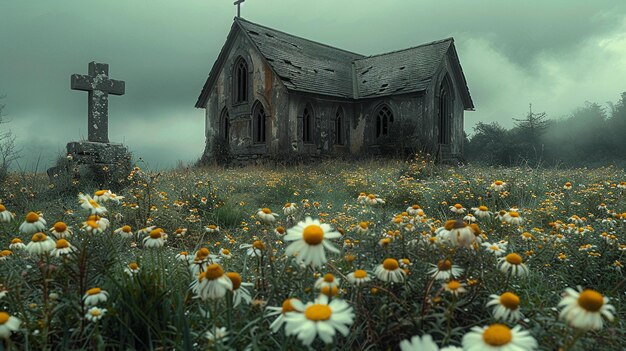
x=308 y=66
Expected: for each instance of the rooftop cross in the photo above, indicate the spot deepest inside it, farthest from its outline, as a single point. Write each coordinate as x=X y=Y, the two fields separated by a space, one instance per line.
x=238 y=3
x=99 y=86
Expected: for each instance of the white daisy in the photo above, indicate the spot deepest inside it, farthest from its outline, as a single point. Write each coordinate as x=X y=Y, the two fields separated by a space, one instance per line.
x=33 y=223
x=457 y=208
x=512 y=264
x=455 y=287
x=40 y=244
x=320 y=318
x=255 y=249
x=358 y=277
x=217 y=334
x=60 y=230
x=132 y=269
x=91 y=205
x=212 y=228
x=94 y=296
x=266 y=215
x=17 y=244
x=425 y=343
x=498 y=185
x=482 y=212
x=5 y=215
x=289 y=209
x=289 y=305
x=373 y=199
x=8 y=325
x=155 y=239
x=506 y=307
x=212 y=283
x=498 y=249
x=445 y=270
x=513 y=217
x=584 y=309
x=63 y=247
x=390 y=271
x=498 y=337
x=240 y=293
x=95 y=314
x=309 y=240
x=125 y=232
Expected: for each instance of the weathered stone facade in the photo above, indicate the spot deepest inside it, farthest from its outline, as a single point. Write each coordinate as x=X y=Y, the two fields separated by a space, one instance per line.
x=319 y=101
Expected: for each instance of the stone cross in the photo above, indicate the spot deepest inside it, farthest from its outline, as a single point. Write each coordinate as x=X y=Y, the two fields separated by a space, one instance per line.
x=238 y=3
x=99 y=86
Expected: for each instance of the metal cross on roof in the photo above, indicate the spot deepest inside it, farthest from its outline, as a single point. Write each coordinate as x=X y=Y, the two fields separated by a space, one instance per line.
x=99 y=86
x=238 y=3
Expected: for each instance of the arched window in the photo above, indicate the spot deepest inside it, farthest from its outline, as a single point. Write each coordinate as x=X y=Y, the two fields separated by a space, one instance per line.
x=241 y=81
x=258 y=123
x=445 y=111
x=225 y=125
x=339 y=138
x=384 y=119
x=307 y=125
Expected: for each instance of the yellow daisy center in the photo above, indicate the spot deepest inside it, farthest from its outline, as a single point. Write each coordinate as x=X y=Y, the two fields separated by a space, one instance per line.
x=100 y=192
x=509 y=300
x=126 y=229
x=498 y=182
x=212 y=272
x=458 y=206
x=391 y=264
x=93 y=203
x=318 y=312
x=483 y=208
x=184 y=253
x=133 y=265
x=202 y=253
x=280 y=230
x=313 y=234
x=2 y=208
x=62 y=244
x=266 y=210
x=225 y=252
x=444 y=265
x=5 y=253
x=329 y=278
x=37 y=237
x=16 y=241
x=259 y=245
x=591 y=300
x=212 y=226
x=329 y=291
x=360 y=274
x=60 y=227
x=287 y=306
x=235 y=278
x=450 y=224
x=454 y=285
x=95 y=312
x=4 y=317
x=497 y=335
x=93 y=291
x=32 y=217
x=156 y=233
x=415 y=207
x=363 y=225
x=93 y=224
x=287 y=205
x=514 y=258
x=371 y=196
x=513 y=214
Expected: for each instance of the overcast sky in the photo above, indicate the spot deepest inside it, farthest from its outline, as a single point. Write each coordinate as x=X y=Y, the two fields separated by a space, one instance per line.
x=556 y=54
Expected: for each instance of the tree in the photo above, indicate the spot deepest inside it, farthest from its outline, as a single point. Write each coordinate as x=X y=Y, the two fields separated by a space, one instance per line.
x=8 y=147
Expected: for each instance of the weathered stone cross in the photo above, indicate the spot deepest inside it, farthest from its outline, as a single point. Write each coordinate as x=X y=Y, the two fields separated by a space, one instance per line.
x=99 y=86
x=238 y=3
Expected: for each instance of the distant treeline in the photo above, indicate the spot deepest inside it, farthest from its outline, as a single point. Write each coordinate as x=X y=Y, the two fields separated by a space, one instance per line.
x=592 y=135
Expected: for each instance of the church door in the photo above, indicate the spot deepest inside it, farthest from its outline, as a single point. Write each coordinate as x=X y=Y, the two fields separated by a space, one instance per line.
x=444 y=112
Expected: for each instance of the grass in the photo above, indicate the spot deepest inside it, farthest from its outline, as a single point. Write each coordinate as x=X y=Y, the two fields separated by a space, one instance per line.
x=156 y=309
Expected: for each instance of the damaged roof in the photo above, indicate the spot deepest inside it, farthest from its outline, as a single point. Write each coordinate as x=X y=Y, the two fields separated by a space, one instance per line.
x=307 y=66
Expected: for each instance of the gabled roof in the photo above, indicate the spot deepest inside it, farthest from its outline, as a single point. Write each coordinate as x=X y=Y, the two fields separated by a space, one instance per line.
x=307 y=66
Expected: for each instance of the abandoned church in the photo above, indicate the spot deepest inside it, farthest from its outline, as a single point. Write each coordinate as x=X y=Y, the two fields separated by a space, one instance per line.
x=274 y=95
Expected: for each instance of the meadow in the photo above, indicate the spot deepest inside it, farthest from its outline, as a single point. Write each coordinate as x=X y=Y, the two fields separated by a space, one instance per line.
x=367 y=255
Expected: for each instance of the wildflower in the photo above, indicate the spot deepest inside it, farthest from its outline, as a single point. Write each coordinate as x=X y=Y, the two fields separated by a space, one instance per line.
x=180 y=232
x=455 y=287
x=95 y=314
x=266 y=215
x=102 y=195
x=225 y=253
x=457 y=208
x=216 y=334
x=469 y=218
x=358 y=277
x=320 y=318
x=413 y=210
x=567 y=186
x=4 y=254
x=584 y=309
x=8 y=325
x=155 y=239
x=498 y=185
x=94 y=296
x=289 y=209
x=361 y=198
x=255 y=249
x=63 y=247
x=482 y=212
x=309 y=240
x=526 y=236
x=17 y=244
x=498 y=337
x=328 y=281
x=212 y=228
x=40 y=244
x=125 y=232
x=498 y=249
x=372 y=200
x=362 y=228
x=61 y=230
x=513 y=217
x=425 y=343
x=459 y=233
x=33 y=223
x=5 y=215
x=95 y=224
x=289 y=305
x=91 y=205
x=182 y=256
x=240 y=293
x=506 y=307
x=280 y=231
x=445 y=270
x=132 y=269
x=212 y=283
x=512 y=264
x=390 y=271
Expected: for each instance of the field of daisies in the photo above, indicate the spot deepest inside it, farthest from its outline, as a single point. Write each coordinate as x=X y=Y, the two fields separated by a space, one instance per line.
x=372 y=255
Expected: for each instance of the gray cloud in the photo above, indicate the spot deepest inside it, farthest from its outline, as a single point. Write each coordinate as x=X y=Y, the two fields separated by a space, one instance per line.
x=555 y=54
